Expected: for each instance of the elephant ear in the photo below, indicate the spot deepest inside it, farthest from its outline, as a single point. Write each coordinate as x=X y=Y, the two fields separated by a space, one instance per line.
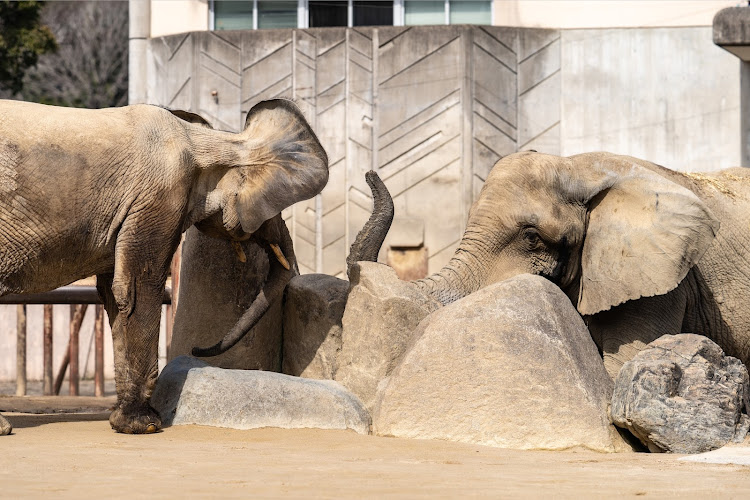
x=644 y=233
x=286 y=163
x=190 y=117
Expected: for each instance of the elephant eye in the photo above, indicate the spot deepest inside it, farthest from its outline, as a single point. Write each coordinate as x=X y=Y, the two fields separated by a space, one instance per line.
x=532 y=238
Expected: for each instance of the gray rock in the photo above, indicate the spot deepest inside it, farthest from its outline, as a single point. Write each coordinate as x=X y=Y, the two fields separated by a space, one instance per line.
x=381 y=314
x=313 y=310
x=511 y=366
x=215 y=290
x=682 y=394
x=191 y=392
x=5 y=426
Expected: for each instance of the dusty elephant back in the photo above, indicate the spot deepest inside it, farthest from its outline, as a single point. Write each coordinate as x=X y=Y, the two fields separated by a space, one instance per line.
x=68 y=178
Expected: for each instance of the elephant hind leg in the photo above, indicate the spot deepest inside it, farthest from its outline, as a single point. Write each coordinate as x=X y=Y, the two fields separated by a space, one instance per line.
x=5 y=427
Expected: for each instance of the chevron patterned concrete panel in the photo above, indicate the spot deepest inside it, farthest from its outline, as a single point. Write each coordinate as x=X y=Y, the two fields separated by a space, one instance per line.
x=172 y=64
x=219 y=80
x=539 y=91
x=431 y=108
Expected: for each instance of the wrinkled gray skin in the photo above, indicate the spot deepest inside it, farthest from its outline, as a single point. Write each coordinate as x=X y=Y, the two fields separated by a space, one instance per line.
x=109 y=192
x=637 y=247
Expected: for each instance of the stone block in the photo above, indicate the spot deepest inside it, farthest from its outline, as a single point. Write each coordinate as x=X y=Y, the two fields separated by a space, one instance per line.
x=313 y=311
x=215 y=290
x=380 y=316
x=511 y=366
x=682 y=394
x=191 y=392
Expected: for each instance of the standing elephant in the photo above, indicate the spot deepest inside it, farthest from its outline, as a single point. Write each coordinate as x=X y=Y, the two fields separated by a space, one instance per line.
x=109 y=192
x=637 y=247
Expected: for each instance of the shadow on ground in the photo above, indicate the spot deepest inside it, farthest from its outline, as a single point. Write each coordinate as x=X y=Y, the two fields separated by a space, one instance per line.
x=25 y=420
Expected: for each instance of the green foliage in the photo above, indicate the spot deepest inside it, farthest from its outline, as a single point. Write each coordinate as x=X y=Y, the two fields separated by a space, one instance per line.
x=22 y=40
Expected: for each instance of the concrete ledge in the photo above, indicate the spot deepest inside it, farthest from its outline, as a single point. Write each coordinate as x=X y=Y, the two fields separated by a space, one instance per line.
x=732 y=31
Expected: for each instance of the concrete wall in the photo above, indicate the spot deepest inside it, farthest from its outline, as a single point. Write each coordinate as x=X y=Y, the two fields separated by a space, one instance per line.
x=665 y=94
x=178 y=16
x=432 y=109
x=606 y=13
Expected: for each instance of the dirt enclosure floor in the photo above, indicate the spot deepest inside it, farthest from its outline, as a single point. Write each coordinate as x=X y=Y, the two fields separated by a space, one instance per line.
x=57 y=452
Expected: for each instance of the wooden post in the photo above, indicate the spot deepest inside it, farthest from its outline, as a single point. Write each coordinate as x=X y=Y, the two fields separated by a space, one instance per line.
x=61 y=371
x=47 y=387
x=76 y=319
x=21 y=350
x=99 y=352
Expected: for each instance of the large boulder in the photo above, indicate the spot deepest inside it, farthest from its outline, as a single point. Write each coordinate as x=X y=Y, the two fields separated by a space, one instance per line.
x=189 y=391
x=381 y=315
x=682 y=394
x=215 y=290
x=512 y=366
x=313 y=310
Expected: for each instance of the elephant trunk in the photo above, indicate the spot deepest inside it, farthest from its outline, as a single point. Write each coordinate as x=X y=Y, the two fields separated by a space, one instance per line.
x=454 y=281
x=457 y=279
x=279 y=274
x=367 y=244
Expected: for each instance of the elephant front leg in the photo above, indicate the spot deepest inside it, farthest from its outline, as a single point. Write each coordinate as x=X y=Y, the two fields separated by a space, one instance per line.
x=625 y=330
x=134 y=308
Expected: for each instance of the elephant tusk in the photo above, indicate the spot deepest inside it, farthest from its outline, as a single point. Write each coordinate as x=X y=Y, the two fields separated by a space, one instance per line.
x=279 y=255
x=240 y=252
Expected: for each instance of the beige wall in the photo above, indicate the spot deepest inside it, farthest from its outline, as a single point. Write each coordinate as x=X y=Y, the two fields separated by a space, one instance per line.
x=606 y=13
x=178 y=16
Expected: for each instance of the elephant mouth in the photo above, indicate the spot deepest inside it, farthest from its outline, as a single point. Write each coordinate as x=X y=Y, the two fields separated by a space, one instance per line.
x=275 y=249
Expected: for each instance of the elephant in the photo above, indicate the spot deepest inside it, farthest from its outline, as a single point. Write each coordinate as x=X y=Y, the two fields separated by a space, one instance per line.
x=109 y=193
x=640 y=250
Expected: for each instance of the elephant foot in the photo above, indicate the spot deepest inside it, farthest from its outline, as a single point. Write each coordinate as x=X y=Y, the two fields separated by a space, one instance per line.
x=5 y=427
x=135 y=419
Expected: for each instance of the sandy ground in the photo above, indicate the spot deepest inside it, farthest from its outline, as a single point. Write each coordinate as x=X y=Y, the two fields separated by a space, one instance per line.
x=77 y=455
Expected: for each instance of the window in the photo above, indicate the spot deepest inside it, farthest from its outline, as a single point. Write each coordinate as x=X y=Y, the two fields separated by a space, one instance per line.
x=277 y=14
x=373 y=13
x=447 y=12
x=328 y=13
x=263 y=14
x=233 y=15
x=424 y=12
x=470 y=12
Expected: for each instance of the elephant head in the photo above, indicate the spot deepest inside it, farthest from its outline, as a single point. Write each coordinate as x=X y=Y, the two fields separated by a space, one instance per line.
x=278 y=163
x=605 y=228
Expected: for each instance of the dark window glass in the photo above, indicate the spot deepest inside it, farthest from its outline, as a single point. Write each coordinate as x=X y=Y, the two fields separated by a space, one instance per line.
x=327 y=13
x=233 y=15
x=373 y=13
x=277 y=14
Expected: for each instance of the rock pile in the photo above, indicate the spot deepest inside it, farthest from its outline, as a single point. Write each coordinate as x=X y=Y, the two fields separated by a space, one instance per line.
x=682 y=394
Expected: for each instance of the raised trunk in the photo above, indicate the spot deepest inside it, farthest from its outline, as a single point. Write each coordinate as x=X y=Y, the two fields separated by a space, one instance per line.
x=367 y=244
x=454 y=281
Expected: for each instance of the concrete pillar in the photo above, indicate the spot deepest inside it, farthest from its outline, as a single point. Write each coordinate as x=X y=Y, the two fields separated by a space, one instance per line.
x=140 y=29
x=745 y=113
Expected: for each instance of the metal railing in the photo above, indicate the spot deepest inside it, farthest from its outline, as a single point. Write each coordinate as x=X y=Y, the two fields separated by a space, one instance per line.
x=79 y=298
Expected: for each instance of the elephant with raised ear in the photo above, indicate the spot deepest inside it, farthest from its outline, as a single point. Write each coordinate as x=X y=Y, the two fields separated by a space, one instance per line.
x=638 y=248
x=109 y=192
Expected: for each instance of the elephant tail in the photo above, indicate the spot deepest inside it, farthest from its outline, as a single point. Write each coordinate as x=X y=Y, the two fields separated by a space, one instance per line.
x=367 y=244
